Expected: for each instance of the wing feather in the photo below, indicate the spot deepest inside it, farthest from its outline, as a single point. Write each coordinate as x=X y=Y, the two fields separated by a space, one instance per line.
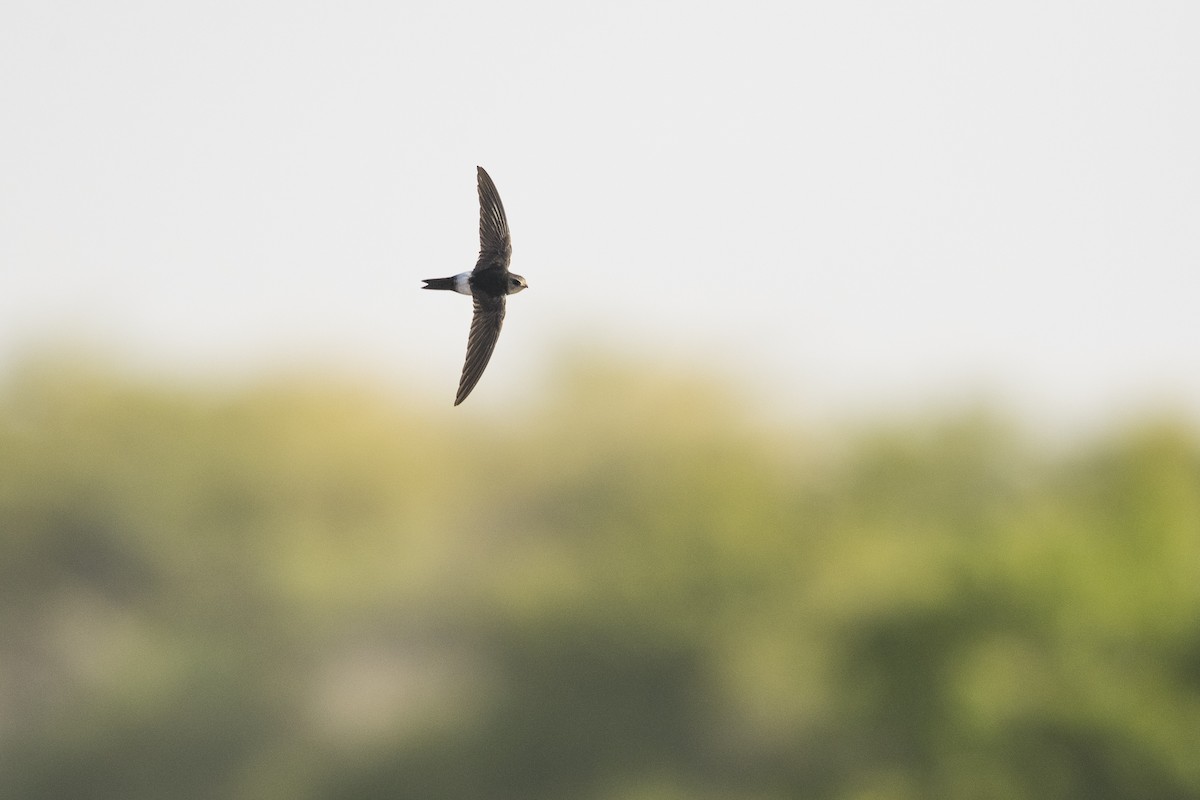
x=485 y=330
x=495 y=245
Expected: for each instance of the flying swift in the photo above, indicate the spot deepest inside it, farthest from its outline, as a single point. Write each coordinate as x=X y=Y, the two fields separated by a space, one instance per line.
x=488 y=285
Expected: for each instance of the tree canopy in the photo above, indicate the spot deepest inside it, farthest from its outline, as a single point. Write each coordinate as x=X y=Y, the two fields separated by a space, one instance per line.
x=312 y=589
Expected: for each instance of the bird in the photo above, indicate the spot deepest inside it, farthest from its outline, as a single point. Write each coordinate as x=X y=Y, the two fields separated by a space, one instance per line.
x=488 y=284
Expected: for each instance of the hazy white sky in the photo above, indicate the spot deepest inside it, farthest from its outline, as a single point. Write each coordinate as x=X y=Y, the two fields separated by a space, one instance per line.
x=852 y=203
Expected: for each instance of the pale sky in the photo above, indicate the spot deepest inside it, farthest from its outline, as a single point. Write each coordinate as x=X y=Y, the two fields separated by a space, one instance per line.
x=845 y=205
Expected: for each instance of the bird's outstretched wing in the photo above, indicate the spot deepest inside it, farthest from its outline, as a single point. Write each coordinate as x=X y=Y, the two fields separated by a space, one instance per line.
x=485 y=330
x=495 y=246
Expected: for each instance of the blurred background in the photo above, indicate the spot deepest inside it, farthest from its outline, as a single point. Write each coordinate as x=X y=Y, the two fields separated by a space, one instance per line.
x=844 y=446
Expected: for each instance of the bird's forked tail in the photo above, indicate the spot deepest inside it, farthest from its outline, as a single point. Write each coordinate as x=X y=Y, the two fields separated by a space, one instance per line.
x=439 y=283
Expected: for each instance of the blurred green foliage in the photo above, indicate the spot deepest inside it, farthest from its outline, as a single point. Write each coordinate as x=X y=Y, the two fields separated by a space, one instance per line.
x=313 y=589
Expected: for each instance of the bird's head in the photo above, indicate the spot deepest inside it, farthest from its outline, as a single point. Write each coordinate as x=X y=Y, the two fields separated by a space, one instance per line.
x=516 y=283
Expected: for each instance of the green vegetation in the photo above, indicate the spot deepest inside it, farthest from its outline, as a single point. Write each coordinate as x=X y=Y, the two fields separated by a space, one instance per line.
x=282 y=592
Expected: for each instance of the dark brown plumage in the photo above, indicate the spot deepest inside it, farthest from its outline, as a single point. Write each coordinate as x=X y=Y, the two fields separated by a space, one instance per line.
x=488 y=284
